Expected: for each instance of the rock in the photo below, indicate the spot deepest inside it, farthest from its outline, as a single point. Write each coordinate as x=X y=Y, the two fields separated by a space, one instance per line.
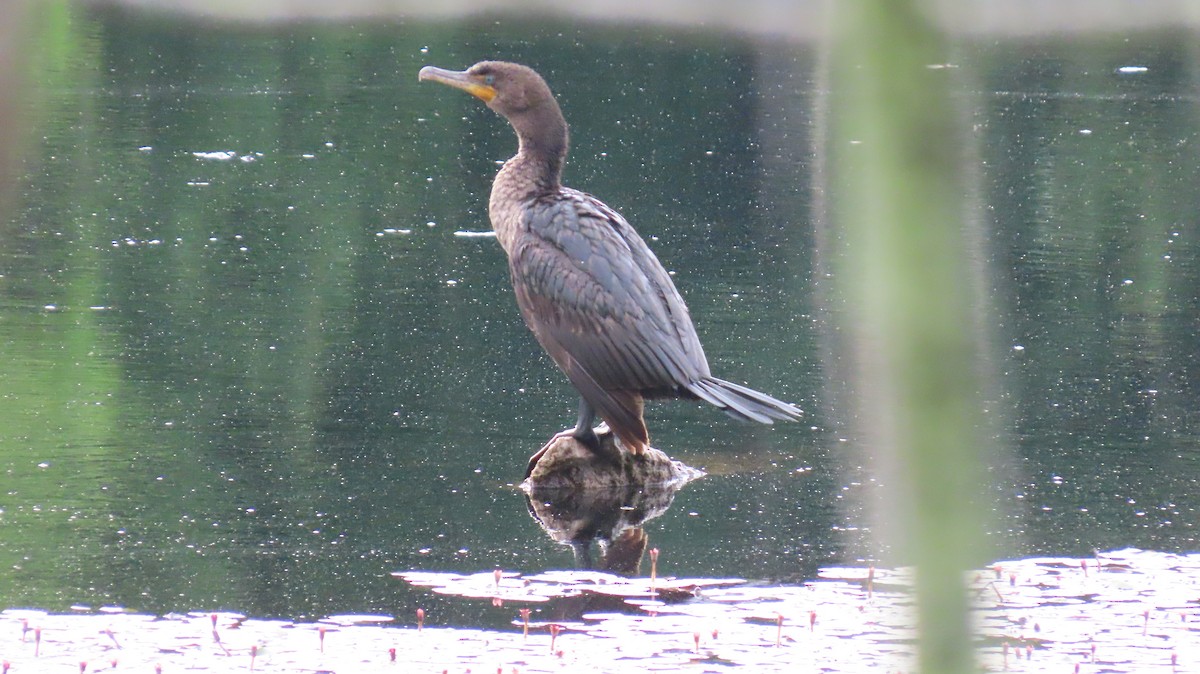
x=579 y=498
x=565 y=463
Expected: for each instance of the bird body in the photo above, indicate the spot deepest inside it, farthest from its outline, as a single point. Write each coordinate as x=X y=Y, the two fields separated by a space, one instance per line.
x=589 y=288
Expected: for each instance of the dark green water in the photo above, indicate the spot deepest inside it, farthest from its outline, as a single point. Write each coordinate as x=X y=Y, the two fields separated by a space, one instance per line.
x=264 y=381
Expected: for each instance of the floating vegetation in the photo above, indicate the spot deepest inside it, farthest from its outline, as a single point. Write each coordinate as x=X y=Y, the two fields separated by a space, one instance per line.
x=1123 y=611
x=227 y=155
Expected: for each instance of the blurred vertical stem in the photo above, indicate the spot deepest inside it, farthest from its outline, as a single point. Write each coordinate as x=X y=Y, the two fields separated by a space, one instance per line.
x=898 y=198
x=13 y=55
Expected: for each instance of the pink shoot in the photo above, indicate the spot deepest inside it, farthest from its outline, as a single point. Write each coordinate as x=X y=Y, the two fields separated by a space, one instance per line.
x=216 y=636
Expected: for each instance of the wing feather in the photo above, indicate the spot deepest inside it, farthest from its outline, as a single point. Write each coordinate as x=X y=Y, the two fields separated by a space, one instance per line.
x=587 y=283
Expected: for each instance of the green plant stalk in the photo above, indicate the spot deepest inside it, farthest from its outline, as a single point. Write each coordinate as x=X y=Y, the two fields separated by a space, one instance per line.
x=898 y=199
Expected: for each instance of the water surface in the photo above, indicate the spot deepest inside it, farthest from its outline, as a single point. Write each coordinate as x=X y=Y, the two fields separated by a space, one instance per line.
x=253 y=362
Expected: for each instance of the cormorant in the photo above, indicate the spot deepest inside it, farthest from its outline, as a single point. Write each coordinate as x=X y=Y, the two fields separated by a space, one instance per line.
x=589 y=288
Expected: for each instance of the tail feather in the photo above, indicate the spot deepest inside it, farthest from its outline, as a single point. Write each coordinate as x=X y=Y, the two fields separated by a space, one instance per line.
x=743 y=403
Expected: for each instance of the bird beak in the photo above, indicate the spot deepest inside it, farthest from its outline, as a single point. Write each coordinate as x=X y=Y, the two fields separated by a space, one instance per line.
x=458 y=80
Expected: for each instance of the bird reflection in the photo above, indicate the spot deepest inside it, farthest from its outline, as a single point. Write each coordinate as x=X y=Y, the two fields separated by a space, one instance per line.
x=610 y=519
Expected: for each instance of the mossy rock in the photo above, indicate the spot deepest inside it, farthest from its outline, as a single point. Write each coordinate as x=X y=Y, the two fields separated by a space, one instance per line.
x=566 y=463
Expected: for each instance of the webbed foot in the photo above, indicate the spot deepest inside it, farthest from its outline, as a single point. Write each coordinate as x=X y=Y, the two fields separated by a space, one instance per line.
x=605 y=447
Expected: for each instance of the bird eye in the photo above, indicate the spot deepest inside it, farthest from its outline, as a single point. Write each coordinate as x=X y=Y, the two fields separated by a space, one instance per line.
x=489 y=79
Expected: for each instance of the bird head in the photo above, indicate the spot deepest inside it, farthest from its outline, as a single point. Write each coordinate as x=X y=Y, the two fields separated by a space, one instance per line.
x=508 y=88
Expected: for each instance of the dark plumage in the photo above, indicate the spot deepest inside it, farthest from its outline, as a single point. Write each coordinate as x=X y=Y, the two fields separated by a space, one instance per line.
x=589 y=288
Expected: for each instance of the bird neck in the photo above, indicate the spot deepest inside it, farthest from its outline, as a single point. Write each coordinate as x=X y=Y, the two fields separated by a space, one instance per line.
x=542 y=148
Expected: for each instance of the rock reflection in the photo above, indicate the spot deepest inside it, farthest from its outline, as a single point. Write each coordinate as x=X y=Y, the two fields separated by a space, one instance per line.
x=581 y=500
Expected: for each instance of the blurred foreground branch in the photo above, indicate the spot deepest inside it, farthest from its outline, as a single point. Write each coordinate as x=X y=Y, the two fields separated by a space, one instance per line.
x=897 y=196
x=797 y=20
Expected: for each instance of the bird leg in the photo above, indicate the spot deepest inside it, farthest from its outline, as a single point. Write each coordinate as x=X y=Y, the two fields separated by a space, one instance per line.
x=583 y=431
x=584 y=434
